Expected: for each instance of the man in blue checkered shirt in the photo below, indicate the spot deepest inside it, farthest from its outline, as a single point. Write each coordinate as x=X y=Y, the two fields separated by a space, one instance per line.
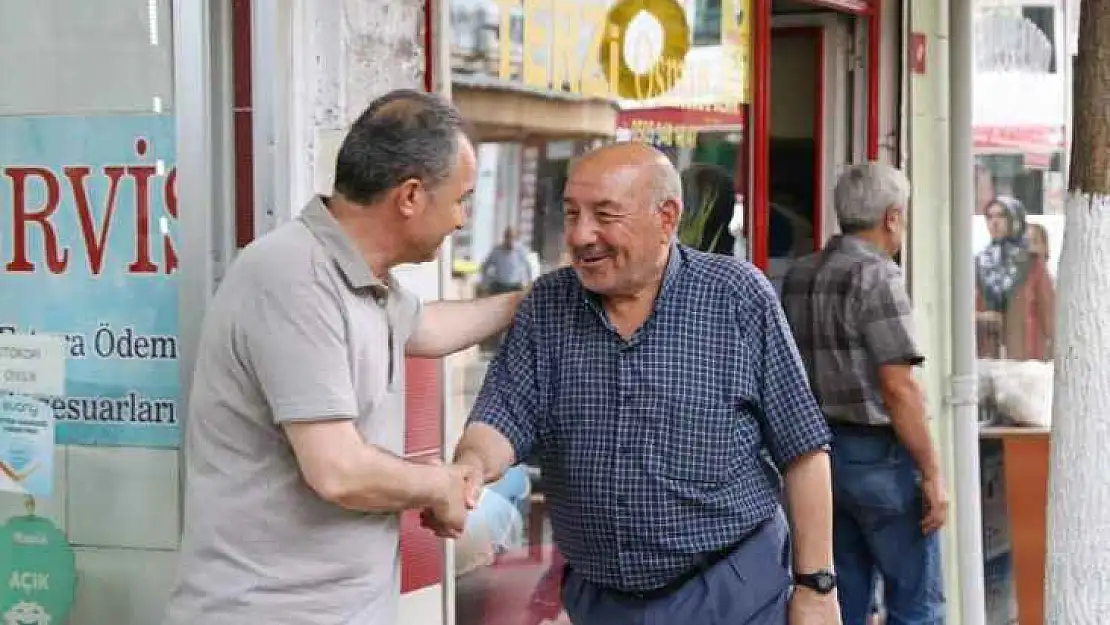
x=648 y=379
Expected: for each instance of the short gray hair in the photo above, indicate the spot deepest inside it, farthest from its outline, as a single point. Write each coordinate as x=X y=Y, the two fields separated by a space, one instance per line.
x=666 y=184
x=864 y=193
x=402 y=135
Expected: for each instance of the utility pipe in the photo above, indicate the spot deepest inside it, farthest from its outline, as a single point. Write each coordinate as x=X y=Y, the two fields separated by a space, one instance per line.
x=964 y=383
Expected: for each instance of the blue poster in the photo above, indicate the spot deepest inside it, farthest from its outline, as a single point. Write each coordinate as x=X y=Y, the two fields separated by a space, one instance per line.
x=88 y=209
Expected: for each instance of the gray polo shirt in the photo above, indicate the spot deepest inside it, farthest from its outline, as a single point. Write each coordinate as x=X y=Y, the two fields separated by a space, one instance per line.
x=300 y=330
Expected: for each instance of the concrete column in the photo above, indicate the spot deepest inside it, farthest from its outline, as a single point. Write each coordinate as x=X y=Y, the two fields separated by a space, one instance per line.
x=317 y=64
x=347 y=52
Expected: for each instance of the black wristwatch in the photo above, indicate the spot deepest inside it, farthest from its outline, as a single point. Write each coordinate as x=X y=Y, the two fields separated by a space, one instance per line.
x=822 y=581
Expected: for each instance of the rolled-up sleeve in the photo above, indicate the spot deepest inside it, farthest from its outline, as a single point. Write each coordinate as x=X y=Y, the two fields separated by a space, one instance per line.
x=887 y=321
x=793 y=424
x=510 y=400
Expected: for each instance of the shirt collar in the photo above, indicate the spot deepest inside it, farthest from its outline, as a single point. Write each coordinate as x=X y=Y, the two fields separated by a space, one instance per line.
x=676 y=259
x=851 y=242
x=342 y=250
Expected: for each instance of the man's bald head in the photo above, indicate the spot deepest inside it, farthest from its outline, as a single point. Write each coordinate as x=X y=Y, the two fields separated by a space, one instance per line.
x=622 y=204
x=654 y=170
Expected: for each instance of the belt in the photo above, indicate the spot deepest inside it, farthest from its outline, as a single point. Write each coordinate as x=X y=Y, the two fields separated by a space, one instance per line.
x=859 y=429
x=706 y=562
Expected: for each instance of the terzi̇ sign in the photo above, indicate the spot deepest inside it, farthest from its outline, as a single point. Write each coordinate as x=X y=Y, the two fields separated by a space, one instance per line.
x=553 y=56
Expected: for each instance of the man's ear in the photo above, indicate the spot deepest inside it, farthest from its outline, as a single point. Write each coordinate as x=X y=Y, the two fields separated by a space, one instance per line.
x=669 y=214
x=891 y=217
x=407 y=196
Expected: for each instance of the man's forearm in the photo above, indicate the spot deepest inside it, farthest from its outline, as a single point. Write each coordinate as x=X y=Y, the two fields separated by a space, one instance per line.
x=809 y=506
x=445 y=327
x=907 y=416
x=378 y=481
x=486 y=449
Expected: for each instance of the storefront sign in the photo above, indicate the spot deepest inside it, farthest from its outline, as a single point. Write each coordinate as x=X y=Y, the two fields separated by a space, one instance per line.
x=88 y=205
x=26 y=446
x=553 y=56
x=37 y=573
x=643 y=54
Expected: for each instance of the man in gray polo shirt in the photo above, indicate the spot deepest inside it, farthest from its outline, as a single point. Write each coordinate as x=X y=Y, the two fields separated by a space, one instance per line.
x=295 y=435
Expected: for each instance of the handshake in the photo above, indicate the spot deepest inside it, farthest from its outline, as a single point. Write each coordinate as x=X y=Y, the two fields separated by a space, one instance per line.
x=458 y=490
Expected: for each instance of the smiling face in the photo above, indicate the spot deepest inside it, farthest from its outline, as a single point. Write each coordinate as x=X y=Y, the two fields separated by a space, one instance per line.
x=617 y=228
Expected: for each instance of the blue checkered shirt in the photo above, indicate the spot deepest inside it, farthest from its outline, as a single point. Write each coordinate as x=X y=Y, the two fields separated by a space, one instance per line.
x=652 y=449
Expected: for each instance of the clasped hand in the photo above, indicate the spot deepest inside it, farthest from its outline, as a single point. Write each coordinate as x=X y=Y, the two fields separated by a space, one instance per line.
x=462 y=485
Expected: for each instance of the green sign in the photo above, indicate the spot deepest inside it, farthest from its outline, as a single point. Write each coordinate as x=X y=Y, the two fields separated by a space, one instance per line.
x=37 y=572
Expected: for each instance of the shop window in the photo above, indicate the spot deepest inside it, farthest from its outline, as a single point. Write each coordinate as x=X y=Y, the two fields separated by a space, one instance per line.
x=89 y=238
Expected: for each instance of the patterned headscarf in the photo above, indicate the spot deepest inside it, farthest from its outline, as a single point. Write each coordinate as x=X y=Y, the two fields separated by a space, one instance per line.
x=1001 y=268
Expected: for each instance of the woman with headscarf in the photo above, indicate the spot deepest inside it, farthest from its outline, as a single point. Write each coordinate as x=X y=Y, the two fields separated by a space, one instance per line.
x=1015 y=296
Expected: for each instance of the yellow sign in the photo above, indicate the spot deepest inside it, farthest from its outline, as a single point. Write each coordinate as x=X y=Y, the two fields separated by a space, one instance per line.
x=667 y=71
x=554 y=55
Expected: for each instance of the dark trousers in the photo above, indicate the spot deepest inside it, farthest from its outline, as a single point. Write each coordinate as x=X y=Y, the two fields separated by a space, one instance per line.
x=750 y=586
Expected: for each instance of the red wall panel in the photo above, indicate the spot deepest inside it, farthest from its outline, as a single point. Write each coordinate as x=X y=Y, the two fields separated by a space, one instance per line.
x=421 y=551
x=424 y=407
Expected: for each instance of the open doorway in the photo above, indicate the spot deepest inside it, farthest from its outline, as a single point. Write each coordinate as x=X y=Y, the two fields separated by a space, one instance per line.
x=810 y=121
x=797 y=80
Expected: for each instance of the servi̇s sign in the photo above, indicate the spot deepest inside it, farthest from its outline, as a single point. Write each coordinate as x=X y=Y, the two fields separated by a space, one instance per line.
x=77 y=217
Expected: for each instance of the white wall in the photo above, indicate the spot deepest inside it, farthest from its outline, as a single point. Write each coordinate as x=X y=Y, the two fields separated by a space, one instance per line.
x=343 y=54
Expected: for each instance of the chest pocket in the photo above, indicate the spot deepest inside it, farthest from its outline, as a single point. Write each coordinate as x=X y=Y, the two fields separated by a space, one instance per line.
x=697 y=441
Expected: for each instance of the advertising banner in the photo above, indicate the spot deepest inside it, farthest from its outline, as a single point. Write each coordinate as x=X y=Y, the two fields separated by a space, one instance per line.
x=87 y=211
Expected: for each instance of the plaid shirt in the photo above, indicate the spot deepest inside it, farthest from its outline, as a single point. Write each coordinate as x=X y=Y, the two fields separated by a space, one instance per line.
x=850 y=313
x=652 y=448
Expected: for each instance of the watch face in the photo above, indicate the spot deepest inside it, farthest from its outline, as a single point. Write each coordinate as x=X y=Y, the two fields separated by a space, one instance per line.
x=821 y=581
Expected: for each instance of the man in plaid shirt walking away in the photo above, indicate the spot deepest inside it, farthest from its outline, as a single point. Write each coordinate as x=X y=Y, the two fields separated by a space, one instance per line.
x=851 y=317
